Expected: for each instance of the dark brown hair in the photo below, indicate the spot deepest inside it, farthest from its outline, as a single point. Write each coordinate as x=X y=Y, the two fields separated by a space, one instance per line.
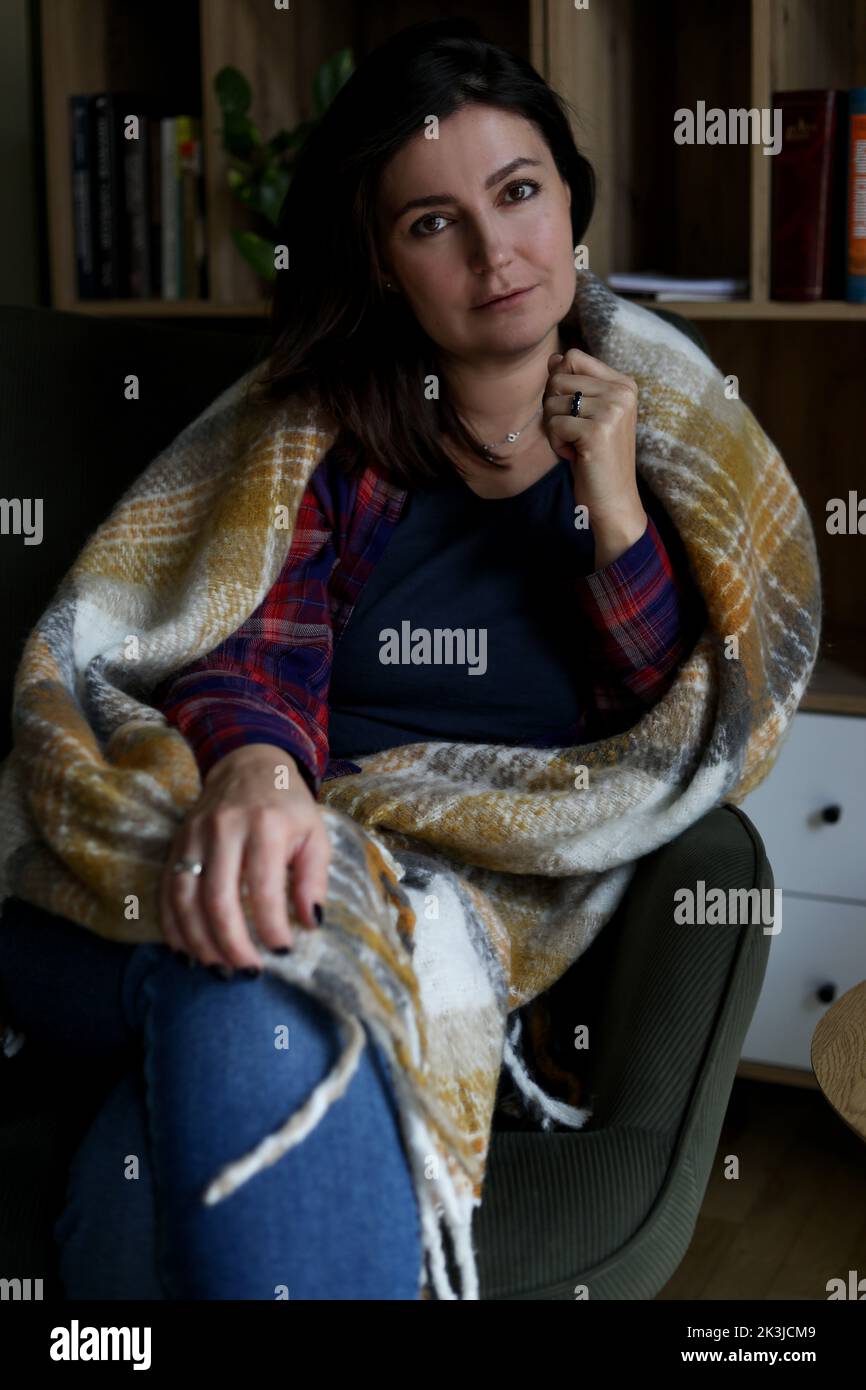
x=337 y=336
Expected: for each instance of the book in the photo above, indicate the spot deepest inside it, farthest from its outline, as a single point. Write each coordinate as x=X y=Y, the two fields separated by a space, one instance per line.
x=111 y=187
x=652 y=282
x=109 y=252
x=663 y=296
x=855 y=225
x=154 y=203
x=807 y=197
x=169 y=195
x=137 y=154
x=82 y=196
x=188 y=135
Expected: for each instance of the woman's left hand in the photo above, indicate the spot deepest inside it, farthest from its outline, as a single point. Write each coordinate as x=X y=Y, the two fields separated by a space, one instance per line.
x=599 y=443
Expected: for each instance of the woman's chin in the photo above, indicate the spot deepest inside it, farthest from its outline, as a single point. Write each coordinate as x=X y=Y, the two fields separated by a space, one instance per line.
x=511 y=336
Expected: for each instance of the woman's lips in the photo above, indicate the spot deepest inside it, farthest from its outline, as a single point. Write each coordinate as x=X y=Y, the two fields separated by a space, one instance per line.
x=508 y=302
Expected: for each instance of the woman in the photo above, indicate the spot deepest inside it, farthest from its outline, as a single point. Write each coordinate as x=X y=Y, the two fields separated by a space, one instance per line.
x=432 y=223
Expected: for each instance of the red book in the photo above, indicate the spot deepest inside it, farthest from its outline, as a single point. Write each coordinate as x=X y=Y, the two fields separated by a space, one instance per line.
x=807 y=236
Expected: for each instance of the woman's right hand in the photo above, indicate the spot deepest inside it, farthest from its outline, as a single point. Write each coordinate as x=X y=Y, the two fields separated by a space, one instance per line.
x=244 y=829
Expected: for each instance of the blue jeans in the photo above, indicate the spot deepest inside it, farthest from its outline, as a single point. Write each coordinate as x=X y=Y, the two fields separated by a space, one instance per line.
x=202 y=1080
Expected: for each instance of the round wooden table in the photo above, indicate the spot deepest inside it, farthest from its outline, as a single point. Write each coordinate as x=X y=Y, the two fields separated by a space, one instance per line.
x=839 y=1057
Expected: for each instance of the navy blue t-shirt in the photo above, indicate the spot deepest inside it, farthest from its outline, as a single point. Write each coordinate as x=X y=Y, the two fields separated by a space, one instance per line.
x=498 y=573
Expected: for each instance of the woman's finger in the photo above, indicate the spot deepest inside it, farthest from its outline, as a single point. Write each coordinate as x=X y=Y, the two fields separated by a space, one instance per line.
x=309 y=870
x=269 y=848
x=561 y=405
x=220 y=893
x=575 y=360
x=167 y=919
x=566 y=383
x=184 y=898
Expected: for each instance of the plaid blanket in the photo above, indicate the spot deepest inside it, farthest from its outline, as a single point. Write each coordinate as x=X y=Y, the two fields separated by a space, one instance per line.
x=465 y=878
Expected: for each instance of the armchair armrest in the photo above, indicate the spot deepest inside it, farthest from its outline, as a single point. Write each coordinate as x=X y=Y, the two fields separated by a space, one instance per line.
x=677 y=997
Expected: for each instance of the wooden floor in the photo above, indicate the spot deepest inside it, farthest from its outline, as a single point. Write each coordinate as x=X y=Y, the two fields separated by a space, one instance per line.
x=796 y=1215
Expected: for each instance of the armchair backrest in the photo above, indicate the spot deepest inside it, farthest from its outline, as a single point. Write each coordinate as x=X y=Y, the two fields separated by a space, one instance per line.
x=71 y=438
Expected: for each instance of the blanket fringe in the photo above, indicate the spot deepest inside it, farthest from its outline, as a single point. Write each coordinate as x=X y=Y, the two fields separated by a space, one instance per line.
x=298 y=1125
x=546 y=1108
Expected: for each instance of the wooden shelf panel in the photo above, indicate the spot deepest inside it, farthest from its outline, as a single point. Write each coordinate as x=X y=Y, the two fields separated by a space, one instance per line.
x=166 y=308
x=838 y=684
x=828 y=310
x=824 y=310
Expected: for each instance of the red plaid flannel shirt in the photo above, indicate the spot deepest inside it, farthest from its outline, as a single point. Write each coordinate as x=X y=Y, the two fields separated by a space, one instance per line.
x=268 y=682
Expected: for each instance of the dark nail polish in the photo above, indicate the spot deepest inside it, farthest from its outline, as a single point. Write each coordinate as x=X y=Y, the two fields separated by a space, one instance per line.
x=251 y=972
x=282 y=950
x=221 y=972
x=317 y=913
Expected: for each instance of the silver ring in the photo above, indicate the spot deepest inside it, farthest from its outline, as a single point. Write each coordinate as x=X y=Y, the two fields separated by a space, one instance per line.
x=188 y=866
x=575 y=402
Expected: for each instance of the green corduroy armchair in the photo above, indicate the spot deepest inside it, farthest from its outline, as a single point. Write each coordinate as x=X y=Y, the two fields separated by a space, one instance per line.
x=609 y=1209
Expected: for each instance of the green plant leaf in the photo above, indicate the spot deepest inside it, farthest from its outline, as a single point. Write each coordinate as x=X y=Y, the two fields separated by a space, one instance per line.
x=233 y=90
x=240 y=136
x=265 y=194
x=236 y=181
x=330 y=77
x=262 y=171
x=272 y=192
x=257 y=251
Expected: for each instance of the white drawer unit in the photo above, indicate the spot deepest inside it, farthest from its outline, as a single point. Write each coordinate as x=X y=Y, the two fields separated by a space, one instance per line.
x=818 y=955
x=811 y=814
x=811 y=810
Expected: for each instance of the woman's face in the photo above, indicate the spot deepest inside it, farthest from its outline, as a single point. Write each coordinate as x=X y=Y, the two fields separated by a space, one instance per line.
x=495 y=218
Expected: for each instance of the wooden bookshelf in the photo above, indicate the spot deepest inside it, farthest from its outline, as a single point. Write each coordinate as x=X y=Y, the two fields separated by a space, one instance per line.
x=625 y=68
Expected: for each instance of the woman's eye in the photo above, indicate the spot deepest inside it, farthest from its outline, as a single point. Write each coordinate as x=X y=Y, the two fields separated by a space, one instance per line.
x=431 y=217
x=418 y=227
x=524 y=183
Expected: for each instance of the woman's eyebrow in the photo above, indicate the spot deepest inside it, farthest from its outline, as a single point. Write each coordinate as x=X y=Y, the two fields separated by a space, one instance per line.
x=432 y=199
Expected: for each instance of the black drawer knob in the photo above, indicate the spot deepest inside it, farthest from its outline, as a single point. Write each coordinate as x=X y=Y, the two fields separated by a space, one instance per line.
x=831 y=814
x=826 y=993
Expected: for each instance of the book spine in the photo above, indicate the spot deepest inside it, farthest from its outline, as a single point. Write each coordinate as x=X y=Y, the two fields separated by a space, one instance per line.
x=802 y=195
x=199 y=250
x=154 y=176
x=170 y=277
x=855 y=243
x=201 y=257
x=198 y=247
x=113 y=217
x=104 y=267
x=82 y=196
x=188 y=161
x=137 y=216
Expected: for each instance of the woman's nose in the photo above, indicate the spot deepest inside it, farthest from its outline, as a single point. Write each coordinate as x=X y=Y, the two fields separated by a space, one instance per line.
x=489 y=248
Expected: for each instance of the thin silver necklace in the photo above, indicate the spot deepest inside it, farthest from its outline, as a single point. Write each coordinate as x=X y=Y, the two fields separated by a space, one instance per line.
x=513 y=437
